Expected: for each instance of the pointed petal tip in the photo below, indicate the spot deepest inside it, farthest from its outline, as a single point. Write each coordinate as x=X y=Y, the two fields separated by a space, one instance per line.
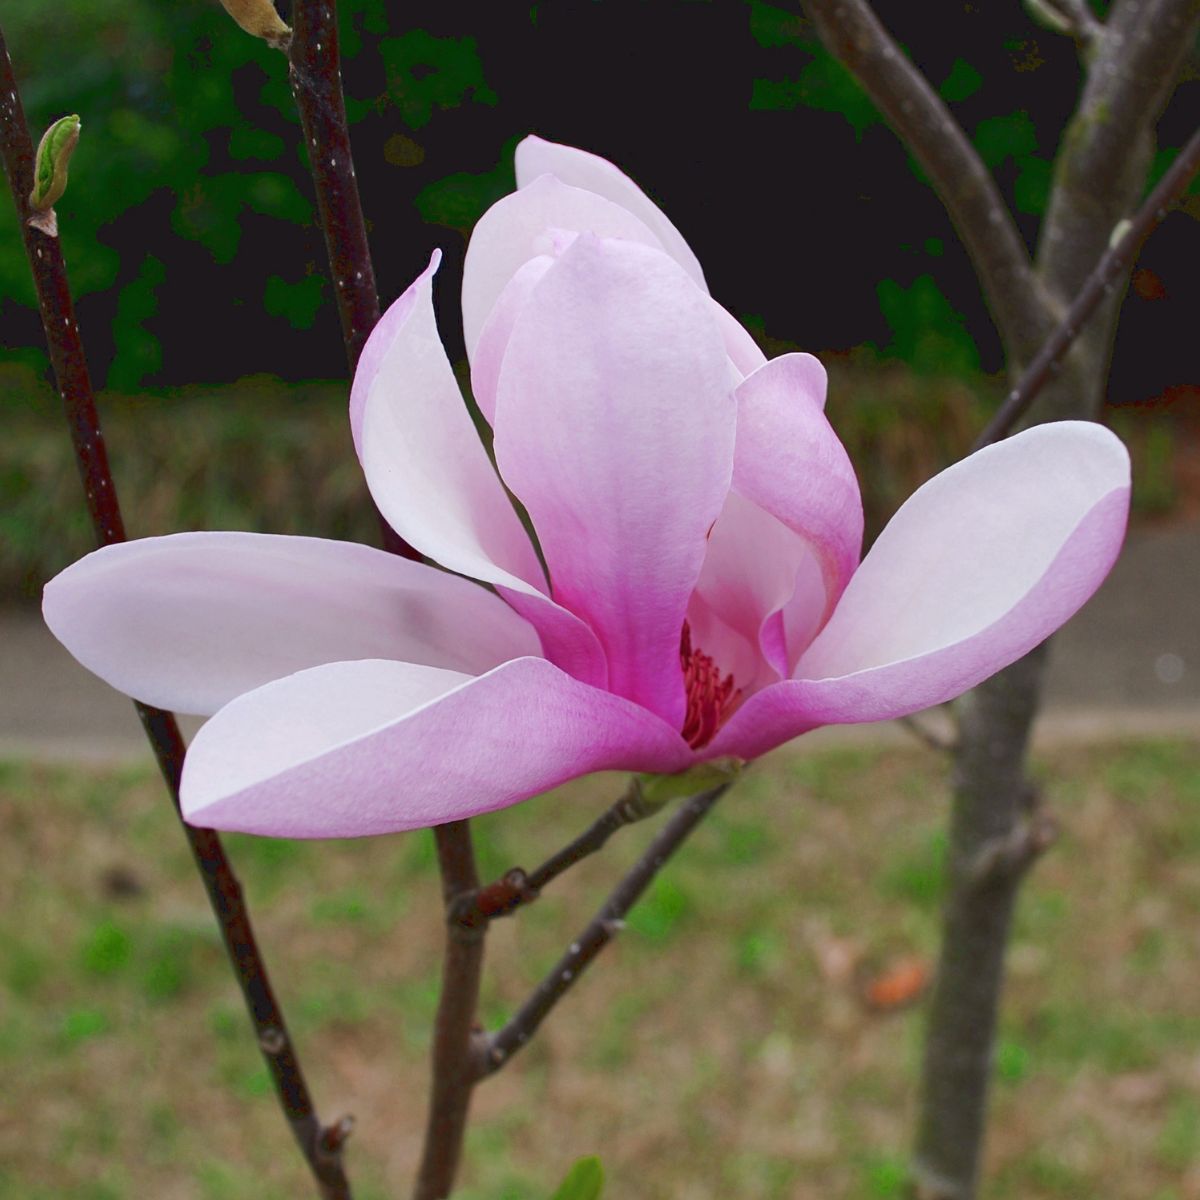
x=379 y=342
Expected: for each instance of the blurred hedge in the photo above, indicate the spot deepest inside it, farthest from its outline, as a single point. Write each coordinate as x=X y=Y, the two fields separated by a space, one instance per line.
x=262 y=455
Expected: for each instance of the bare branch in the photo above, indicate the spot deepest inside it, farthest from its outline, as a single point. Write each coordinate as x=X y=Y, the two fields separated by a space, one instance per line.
x=601 y=930
x=852 y=32
x=316 y=74
x=926 y=736
x=455 y=1059
x=1072 y=17
x=518 y=887
x=1128 y=83
x=1127 y=240
x=220 y=883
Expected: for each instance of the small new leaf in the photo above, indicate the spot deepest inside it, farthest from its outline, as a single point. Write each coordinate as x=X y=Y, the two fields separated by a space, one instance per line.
x=259 y=18
x=584 y=1181
x=50 y=165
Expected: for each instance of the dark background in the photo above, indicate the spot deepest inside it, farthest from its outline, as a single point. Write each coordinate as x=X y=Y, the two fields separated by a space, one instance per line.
x=190 y=230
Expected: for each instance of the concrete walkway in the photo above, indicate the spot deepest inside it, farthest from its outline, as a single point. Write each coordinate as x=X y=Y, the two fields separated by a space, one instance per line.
x=1129 y=663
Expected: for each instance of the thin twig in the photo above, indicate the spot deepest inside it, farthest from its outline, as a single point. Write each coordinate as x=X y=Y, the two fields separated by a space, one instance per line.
x=601 y=930
x=224 y=892
x=518 y=887
x=1115 y=261
x=854 y=35
x=1072 y=17
x=927 y=736
x=316 y=77
x=455 y=1070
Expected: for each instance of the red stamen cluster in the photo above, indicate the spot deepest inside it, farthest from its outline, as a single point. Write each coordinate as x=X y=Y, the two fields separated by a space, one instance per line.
x=710 y=699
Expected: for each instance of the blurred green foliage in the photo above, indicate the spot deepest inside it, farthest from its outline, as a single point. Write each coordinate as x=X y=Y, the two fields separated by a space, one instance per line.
x=823 y=83
x=584 y=1181
x=158 y=86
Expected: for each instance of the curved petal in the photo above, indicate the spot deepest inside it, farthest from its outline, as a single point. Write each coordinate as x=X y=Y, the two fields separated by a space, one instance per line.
x=979 y=566
x=535 y=156
x=497 y=329
x=190 y=621
x=742 y=349
x=353 y=749
x=615 y=426
x=749 y=574
x=744 y=352
x=375 y=353
x=790 y=463
x=515 y=229
x=433 y=482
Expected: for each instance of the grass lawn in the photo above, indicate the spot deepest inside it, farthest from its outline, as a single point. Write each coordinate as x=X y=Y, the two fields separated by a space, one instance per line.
x=721 y=1048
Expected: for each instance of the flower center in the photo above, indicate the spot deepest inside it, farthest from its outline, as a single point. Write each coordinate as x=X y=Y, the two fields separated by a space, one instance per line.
x=710 y=699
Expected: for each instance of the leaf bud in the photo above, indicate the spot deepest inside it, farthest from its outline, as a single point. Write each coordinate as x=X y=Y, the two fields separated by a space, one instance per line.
x=259 y=19
x=50 y=164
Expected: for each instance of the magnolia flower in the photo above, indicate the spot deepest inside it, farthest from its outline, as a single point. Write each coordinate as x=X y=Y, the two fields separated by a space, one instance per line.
x=695 y=591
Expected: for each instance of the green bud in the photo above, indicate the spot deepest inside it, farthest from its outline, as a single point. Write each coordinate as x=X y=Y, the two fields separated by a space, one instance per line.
x=649 y=793
x=259 y=18
x=50 y=166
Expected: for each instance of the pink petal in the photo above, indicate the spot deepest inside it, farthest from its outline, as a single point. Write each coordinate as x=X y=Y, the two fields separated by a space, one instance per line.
x=979 y=566
x=615 y=426
x=497 y=329
x=535 y=157
x=379 y=343
x=743 y=350
x=189 y=622
x=433 y=482
x=749 y=575
x=516 y=229
x=790 y=463
x=353 y=749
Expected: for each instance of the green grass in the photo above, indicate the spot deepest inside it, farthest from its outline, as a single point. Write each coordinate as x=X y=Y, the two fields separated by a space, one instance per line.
x=720 y=1047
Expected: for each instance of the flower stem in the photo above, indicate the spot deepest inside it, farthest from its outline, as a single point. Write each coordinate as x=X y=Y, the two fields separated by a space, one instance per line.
x=316 y=77
x=602 y=929
x=518 y=887
x=455 y=1070
x=321 y=1148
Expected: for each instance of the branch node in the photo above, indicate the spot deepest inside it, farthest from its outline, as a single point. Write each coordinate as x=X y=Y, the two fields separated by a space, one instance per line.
x=332 y=1138
x=272 y=1040
x=1005 y=859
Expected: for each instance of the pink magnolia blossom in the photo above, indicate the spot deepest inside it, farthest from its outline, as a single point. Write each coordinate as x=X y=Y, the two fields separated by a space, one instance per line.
x=699 y=523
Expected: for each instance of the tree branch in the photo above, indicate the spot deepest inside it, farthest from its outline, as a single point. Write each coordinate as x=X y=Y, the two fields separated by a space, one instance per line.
x=1128 y=82
x=316 y=77
x=455 y=1050
x=1099 y=176
x=518 y=887
x=1100 y=283
x=854 y=35
x=1072 y=17
x=320 y=1146
x=601 y=930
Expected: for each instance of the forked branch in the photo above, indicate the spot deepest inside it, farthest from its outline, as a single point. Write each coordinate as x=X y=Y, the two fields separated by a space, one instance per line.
x=601 y=930
x=1127 y=240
